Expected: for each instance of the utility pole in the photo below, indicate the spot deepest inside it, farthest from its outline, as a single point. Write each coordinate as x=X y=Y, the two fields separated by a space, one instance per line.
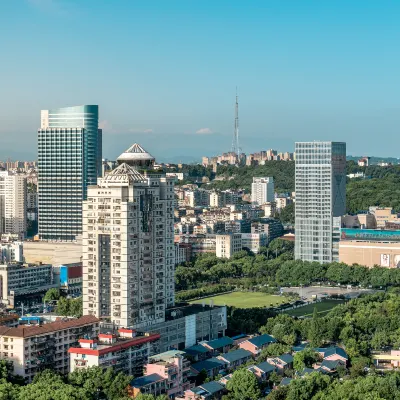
x=235 y=141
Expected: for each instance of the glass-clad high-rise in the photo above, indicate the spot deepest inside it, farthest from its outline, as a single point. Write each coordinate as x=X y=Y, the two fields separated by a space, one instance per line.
x=320 y=199
x=69 y=160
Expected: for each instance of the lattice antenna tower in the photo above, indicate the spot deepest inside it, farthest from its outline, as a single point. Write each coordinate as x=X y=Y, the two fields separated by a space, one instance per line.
x=235 y=141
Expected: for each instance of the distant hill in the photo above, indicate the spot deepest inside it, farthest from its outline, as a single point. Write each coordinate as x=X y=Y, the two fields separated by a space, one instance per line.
x=375 y=160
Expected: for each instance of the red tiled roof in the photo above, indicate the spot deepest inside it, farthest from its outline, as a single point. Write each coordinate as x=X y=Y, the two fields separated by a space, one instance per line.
x=116 y=346
x=30 y=331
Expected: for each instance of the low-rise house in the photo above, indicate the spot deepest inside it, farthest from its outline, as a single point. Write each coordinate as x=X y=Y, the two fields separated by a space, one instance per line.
x=304 y=372
x=213 y=366
x=264 y=370
x=285 y=381
x=220 y=345
x=285 y=361
x=330 y=366
x=197 y=352
x=235 y=358
x=299 y=347
x=174 y=367
x=207 y=391
x=153 y=384
x=257 y=343
x=333 y=353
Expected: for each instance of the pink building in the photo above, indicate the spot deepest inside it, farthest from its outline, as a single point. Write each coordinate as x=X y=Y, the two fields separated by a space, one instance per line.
x=173 y=367
x=257 y=343
x=333 y=353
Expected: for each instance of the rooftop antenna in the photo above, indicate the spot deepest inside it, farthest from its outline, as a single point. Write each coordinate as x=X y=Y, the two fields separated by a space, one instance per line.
x=235 y=141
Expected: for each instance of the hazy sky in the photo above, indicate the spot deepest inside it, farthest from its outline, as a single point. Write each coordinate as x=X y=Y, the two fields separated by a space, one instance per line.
x=164 y=72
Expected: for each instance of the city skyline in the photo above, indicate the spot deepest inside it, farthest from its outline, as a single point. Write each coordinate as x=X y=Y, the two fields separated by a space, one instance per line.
x=164 y=74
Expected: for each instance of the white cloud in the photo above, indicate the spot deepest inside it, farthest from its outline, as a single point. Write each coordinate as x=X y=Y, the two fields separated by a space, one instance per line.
x=204 y=131
x=136 y=130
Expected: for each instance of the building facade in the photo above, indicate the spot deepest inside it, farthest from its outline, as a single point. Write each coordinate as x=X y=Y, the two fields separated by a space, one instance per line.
x=320 y=199
x=262 y=191
x=227 y=245
x=31 y=349
x=128 y=248
x=126 y=352
x=69 y=160
x=13 y=203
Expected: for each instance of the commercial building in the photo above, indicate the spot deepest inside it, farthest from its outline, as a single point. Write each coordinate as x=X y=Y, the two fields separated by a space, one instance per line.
x=13 y=203
x=128 y=244
x=69 y=160
x=69 y=278
x=262 y=191
x=320 y=199
x=253 y=241
x=31 y=349
x=227 y=245
x=126 y=352
x=370 y=247
x=24 y=283
x=189 y=324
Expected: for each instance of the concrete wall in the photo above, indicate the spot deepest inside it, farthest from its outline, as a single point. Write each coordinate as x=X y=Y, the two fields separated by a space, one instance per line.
x=54 y=253
x=370 y=253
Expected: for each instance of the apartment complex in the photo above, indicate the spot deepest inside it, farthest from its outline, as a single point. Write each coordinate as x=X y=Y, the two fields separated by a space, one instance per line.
x=69 y=160
x=262 y=191
x=227 y=245
x=128 y=245
x=320 y=199
x=127 y=352
x=13 y=203
x=273 y=228
x=31 y=349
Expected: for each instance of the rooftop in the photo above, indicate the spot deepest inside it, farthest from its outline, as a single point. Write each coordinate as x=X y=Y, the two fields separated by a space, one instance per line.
x=266 y=367
x=166 y=356
x=210 y=387
x=195 y=350
x=124 y=173
x=261 y=340
x=209 y=364
x=119 y=345
x=221 y=342
x=135 y=153
x=236 y=355
x=24 y=331
x=146 y=380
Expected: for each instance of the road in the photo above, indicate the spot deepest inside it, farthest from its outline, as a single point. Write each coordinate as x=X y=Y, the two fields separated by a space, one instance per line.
x=309 y=291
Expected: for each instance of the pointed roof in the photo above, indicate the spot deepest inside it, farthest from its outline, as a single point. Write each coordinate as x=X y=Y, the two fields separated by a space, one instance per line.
x=124 y=173
x=135 y=153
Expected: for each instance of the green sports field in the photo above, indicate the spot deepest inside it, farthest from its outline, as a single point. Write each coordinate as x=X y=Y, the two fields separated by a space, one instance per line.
x=323 y=307
x=244 y=300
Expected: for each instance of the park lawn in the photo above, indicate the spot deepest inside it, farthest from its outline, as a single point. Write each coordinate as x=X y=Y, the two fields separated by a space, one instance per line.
x=322 y=308
x=243 y=300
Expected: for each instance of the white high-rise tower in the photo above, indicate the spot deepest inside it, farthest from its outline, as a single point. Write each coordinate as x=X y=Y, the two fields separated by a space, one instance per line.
x=262 y=191
x=128 y=243
x=320 y=199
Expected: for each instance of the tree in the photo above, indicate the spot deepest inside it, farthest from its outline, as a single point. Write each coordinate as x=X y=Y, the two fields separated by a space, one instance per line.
x=314 y=333
x=305 y=358
x=52 y=294
x=243 y=386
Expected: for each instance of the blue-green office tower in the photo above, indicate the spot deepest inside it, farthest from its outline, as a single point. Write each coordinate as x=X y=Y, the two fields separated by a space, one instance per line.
x=69 y=160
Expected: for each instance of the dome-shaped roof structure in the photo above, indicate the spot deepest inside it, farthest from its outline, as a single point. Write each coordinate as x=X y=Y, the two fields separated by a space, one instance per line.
x=136 y=155
x=124 y=173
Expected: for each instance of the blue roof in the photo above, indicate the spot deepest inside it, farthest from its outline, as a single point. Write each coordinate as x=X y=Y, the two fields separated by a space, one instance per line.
x=236 y=355
x=145 y=380
x=221 y=342
x=300 y=347
x=208 y=365
x=335 y=350
x=212 y=387
x=262 y=340
x=286 y=358
x=195 y=350
x=241 y=336
x=285 y=381
x=306 y=371
x=331 y=364
x=266 y=367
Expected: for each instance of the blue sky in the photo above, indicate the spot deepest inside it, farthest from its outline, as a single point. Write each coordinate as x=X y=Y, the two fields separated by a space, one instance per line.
x=164 y=72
